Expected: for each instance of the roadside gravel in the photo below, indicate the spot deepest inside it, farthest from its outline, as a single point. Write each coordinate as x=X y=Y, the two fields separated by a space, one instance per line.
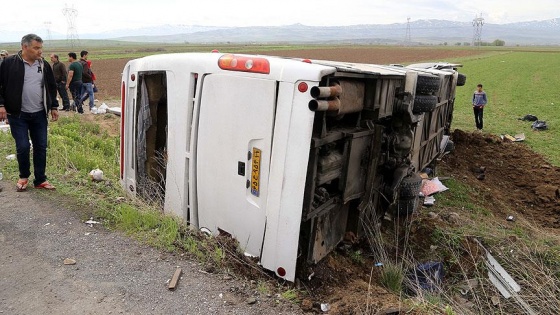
x=113 y=274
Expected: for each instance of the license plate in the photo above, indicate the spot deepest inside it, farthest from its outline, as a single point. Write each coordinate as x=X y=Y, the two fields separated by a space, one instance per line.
x=256 y=172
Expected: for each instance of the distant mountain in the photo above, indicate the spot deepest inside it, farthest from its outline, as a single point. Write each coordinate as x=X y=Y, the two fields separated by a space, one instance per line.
x=422 y=32
x=546 y=32
x=152 y=31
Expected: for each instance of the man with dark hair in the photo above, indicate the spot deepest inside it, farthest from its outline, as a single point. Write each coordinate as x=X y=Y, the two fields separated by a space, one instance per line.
x=87 y=81
x=479 y=100
x=59 y=70
x=3 y=55
x=74 y=82
x=27 y=95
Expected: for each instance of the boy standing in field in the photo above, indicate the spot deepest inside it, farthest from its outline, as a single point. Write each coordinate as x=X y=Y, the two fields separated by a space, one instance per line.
x=479 y=100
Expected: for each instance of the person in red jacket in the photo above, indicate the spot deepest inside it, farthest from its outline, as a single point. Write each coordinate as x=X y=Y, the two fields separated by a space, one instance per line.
x=27 y=95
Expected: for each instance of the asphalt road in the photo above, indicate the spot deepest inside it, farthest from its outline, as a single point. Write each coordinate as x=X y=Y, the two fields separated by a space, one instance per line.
x=113 y=274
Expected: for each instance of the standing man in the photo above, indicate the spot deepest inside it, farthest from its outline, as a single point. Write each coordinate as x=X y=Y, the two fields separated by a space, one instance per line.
x=3 y=55
x=479 y=100
x=74 y=82
x=59 y=70
x=27 y=95
x=87 y=80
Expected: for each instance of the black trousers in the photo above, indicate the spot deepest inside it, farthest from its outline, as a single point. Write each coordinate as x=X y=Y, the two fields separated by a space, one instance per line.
x=61 y=88
x=478 y=116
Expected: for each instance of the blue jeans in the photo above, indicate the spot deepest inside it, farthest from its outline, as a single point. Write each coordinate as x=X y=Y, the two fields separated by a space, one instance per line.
x=87 y=91
x=76 y=90
x=32 y=125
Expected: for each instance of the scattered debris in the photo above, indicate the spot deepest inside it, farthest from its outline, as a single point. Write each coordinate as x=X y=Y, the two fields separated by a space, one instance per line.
x=47 y=224
x=311 y=276
x=173 y=283
x=91 y=222
x=325 y=307
x=427 y=276
x=69 y=261
x=96 y=175
x=430 y=187
x=11 y=157
x=251 y=301
x=378 y=264
x=529 y=117
x=114 y=110
x=539 y=125
x=481 y=176
x=429 y=201
x=503 y=281
x=510 y=218
x=517 y=138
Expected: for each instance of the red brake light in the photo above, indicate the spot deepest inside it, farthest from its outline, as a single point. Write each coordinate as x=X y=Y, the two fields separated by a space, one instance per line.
x=244 y=64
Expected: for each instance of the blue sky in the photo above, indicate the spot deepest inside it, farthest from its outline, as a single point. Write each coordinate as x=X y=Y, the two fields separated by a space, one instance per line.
x=103 y=15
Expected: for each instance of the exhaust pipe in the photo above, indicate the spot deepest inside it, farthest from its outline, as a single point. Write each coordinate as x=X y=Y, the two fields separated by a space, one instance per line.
x=321 y=106
x=326 y=91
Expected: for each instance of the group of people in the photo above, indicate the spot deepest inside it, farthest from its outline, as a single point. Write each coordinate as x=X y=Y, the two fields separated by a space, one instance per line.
x=79 y=79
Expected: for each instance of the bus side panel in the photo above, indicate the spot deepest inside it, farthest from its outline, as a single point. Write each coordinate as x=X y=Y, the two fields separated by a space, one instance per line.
x=290 y=153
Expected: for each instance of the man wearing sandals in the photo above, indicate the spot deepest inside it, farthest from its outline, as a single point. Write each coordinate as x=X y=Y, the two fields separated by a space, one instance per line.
x=27 y=95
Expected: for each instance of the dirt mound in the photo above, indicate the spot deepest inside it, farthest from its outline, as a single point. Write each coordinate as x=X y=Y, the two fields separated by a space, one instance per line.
x=516 y=179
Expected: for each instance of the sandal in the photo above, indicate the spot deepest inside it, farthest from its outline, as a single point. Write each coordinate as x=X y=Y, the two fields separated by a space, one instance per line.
x=45 y=185
x=22 y=184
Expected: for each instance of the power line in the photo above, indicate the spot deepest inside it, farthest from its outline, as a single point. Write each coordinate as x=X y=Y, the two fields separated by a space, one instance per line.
x=72 y=33
x=477 y=23
x=407 y=37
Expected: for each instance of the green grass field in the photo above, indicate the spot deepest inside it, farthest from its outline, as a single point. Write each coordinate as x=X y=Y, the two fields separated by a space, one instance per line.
x=517 y=83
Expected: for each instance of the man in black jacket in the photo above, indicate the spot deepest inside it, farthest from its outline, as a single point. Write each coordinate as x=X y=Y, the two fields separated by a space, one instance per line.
x=27 y=95
x=59 y=70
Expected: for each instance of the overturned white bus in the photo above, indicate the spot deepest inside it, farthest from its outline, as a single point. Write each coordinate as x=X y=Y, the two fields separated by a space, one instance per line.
x=286 y=155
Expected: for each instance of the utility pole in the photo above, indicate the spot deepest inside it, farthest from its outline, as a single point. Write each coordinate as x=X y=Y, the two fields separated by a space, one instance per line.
x=72 y=33
x=407 y=37
x=477 y=23
x=48 y=29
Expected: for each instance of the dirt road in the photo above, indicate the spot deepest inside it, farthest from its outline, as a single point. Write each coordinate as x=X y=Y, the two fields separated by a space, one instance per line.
x=112 y=275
